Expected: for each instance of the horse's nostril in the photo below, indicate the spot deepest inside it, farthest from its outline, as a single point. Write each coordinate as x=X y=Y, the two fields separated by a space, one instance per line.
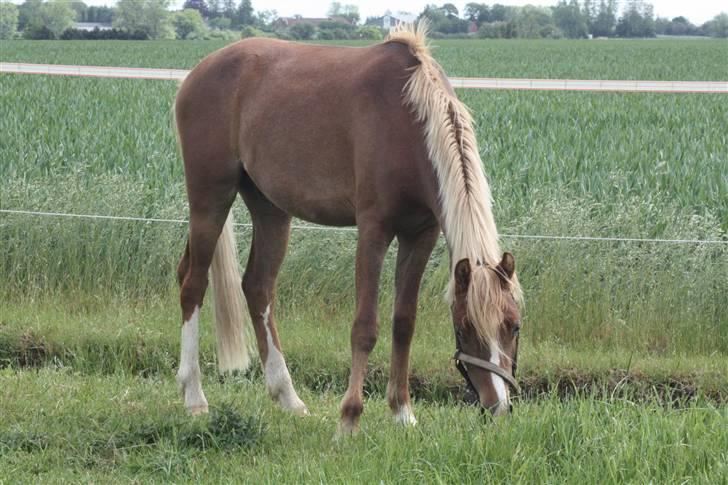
x=510 y=408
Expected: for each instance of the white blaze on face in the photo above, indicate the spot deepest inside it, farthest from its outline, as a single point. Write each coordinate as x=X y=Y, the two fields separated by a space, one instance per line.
x=188 y=375
x=498 y=383
x=277 y=379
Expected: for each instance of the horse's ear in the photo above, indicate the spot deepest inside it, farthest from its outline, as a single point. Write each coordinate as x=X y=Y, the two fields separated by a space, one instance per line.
x=507 y=266
x=462 y=276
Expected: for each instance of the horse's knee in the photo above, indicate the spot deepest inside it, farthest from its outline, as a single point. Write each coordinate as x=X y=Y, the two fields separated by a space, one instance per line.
x=364 y=334
x=184 y=265
x=255 y=290
x=403 y=327
x=182 y=270
x=248 y=286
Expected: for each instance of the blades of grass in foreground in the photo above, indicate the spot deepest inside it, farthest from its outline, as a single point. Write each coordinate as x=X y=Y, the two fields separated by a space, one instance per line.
x=63 y=426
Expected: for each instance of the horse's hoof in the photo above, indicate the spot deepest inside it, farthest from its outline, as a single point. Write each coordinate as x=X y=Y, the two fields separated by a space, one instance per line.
x=293 y=404
x=346 y=429
x=405 y=417
x=197 y=410
x=302 y=411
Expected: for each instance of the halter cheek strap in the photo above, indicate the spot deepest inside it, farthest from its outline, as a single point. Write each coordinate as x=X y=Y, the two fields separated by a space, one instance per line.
x=460 y=357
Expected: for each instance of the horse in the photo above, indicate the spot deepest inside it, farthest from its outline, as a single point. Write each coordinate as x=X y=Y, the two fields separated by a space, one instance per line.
x=373 y=137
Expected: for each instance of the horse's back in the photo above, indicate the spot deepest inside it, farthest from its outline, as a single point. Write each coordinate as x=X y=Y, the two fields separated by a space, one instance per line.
x=329 y=116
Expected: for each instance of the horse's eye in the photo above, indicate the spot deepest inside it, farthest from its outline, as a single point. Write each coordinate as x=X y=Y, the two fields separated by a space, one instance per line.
x=516 y=329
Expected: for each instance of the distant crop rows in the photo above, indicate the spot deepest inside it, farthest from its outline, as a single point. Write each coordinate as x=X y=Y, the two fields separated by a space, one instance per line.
x=680 y=60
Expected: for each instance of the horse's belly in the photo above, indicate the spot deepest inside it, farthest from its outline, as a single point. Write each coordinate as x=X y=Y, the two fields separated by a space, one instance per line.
x=334 y=211
x=325 y=212
x=314 y=199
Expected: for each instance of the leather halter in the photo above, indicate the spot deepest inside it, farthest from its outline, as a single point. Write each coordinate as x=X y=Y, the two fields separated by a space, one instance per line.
x=460 y=357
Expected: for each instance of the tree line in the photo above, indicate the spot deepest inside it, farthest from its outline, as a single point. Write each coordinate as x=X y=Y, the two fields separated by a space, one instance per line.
x=229 y=19
x=570 y=19
x=131 y=19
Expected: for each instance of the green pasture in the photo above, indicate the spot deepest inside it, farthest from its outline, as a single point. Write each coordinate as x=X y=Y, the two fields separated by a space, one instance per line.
x=118 y=428
x=624 y=357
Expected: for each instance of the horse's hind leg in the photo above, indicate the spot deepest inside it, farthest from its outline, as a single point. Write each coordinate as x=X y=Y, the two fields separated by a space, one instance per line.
x=271 y=229
x=208 y=211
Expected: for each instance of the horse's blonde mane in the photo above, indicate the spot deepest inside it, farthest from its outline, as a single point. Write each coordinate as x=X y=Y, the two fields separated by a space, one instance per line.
x=465 y=196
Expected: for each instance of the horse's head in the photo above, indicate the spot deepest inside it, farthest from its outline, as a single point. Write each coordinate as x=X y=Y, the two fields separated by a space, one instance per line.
x=487 y=320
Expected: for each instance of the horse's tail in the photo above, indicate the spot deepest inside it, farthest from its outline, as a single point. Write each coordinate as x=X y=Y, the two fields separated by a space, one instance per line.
x=231 y=315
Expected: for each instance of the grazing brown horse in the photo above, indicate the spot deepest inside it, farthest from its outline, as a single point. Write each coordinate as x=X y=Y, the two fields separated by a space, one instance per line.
x=373 y=137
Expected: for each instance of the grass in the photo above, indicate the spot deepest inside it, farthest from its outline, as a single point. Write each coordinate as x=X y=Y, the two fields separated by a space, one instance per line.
x=121 y=428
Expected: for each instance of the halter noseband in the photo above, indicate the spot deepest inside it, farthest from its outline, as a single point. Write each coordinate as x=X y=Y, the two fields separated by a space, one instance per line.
x=461 y=357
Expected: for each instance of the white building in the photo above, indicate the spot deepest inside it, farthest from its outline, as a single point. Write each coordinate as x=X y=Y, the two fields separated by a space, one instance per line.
x=389 y=21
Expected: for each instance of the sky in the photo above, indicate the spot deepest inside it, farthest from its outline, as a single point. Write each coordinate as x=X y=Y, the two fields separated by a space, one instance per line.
x=697 y=11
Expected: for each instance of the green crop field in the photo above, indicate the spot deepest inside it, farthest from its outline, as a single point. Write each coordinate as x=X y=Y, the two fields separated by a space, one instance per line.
x=624 y=359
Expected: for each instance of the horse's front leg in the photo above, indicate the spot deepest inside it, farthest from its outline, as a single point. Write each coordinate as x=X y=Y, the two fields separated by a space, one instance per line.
x=371 y=248
x=412 y=256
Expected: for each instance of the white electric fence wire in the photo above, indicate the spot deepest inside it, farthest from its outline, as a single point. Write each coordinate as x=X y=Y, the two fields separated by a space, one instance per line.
x=457 y=82
x=353 y=229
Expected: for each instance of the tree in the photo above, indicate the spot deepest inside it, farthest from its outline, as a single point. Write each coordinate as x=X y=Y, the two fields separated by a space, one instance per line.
x=497 y=30
x=678 y=26
x=265 y=18
x=662 y=26
x=80 y=8
x=214 y=9
x=718 y=26
x=638 y=20
x=531 y=21
x=8 y=20
x=477 y=12
x=46 y=20
x=441 y=22
x=605 y=20
x=103 y=15
x=570 y=19
x=588 y=13
x=198 y=5
x=148 y=16
x=370 y=32
x=336 y=29
x=244 y=14
x=501 y=13
x=26 y=11
x=220 y=23
x=349 y=12
x=450 y=10
x=302 y=31
x=188 y=23
x=228 y=9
